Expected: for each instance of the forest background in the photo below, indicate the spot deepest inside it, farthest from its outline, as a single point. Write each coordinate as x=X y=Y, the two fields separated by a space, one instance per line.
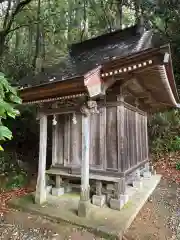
x=36 y=34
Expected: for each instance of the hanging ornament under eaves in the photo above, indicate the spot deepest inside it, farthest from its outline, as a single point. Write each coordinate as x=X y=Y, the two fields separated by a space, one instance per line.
x=74 y=119
x=54 y=121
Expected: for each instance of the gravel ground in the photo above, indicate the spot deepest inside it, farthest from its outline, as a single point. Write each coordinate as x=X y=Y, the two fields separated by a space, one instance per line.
x=159 y=219
x=18 y=225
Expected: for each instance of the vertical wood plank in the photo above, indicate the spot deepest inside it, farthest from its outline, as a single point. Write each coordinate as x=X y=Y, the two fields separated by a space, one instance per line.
x=120 y=133
x=67 y=140
x=140 y=138
x=111 y=140
x=102 y=149
x=128 y=141
x=137 y=135
x=125 y=139
x=75 y=141
x=40 y=196
x=60 y=150
x=94 y=141
x=55 y=133
x=133 y=137
x=146 y=138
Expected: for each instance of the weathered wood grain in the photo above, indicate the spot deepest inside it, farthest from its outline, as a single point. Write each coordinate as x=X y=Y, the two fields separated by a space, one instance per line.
x=76 y=141
x=67 y=140
x=111 y=138
x=95 y=140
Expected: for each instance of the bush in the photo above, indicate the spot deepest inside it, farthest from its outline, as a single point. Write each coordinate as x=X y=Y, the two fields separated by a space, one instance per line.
x=178 y=166
x=164 y=132
x=16 y=181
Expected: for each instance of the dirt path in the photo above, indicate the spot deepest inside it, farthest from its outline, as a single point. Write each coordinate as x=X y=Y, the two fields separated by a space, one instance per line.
x=158 y=219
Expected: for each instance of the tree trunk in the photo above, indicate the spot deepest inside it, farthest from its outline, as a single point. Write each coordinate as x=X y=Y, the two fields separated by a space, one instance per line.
x=2 y=42
x=37 y=61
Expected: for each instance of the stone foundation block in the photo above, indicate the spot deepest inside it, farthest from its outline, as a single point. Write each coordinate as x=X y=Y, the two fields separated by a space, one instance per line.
x=48 y=189
x=99 y=200
x=108 y=198
x=57 y=191
x=137 y=184
x=110 y=187
x=152 y=170
x=118 y=204
x=147 y=174
x=67 y=188
x=83 y=208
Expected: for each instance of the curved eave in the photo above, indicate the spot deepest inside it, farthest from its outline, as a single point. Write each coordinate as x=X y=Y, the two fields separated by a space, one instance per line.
x=53 y=90
x=149 y=75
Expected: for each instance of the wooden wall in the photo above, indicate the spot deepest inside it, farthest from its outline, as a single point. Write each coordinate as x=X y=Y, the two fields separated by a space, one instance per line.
x=118 y=139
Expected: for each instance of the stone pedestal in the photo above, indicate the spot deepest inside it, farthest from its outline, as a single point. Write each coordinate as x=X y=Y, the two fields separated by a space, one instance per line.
x=99 y=200
x=40 y=197
x=147 y=174
x=83 y=208
x=58 y=191
x=67 y=188
x=137 y=184
x=152 y=170
x=117 y=204
x=48 y=189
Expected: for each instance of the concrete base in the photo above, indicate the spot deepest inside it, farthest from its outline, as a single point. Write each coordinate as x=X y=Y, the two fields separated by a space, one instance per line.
x=137 y=184
x=83 y=208
x=147 y=174
x=108 y=222
x=40 y=199
x=48 y=189
x=57 y=191
x=99 y=200
x=110 y=187
x=118 y=204
x=67 y=188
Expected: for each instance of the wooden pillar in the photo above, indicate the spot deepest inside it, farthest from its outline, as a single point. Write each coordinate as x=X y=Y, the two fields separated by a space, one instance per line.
x=40 y=196
x=55 y=130
x=84 y=197
x=85 y=159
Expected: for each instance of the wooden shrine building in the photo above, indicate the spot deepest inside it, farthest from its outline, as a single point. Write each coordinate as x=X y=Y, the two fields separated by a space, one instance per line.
x=98 y=98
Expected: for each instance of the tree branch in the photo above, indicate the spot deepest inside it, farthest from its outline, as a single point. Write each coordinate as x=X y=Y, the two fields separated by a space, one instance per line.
x=17 y=10
x=18 y=27
x=7 y=14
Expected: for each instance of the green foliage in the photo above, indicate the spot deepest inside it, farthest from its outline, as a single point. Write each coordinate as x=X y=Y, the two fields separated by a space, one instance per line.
x=178 y=166
x=11 y=175
x=16 y=181
x=164 y=132
x=8 y=97
x=63 y=22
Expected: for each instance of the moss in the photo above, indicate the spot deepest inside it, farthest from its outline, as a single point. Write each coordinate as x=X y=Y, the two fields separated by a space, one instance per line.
x=128 y=204
x=70 y=195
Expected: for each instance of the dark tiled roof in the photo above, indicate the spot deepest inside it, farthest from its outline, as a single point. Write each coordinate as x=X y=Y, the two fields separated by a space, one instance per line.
x=87 y=55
